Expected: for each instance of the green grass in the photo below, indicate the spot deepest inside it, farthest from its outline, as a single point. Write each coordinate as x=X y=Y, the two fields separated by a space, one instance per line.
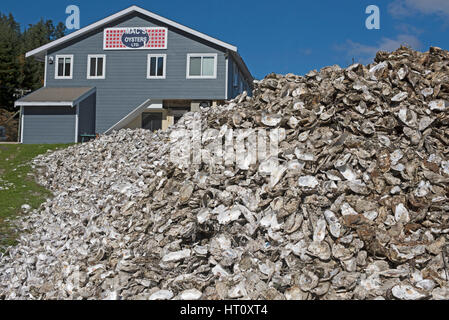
x=18 y=186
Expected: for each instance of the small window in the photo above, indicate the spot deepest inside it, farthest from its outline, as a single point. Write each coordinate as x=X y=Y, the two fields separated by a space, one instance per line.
x=64 y=67
x=152 y=121
x=156 y=66
x=96 y=66
x=201 y=66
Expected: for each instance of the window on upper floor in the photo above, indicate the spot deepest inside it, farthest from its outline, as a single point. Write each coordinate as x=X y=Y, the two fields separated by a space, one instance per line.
x=156 y=66
x=64 y=67
x=201 y=66
x=96 y=66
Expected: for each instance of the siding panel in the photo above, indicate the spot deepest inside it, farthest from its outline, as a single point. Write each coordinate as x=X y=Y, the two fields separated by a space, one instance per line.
x=48 y=125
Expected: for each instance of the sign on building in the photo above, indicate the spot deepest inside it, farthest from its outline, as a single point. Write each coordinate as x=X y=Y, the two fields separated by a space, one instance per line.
x=135 y=38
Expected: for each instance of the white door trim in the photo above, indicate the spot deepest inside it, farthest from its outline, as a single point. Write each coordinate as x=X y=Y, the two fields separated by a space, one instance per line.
x=76 y=123
x=22 y=115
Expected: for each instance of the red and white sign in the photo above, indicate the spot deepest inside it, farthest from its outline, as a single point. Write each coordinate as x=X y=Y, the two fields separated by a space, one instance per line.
x=135 y=38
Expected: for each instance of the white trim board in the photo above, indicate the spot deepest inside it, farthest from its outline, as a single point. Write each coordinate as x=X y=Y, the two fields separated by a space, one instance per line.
x=120 y=14
x=76 y=122
x=46 y=104
x=22 y=115
x=227 y=77
x=45 y=70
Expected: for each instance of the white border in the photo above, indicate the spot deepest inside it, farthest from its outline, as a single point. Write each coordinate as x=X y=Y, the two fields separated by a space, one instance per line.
x=49 y=103
x=202 y=55
x=71 y=66
x=121 y=14
x=227 y=77
x=141 y=48
x=45 y=70
x=164 y=67
x=76 y=122
x=89 y=56
x=22 y=114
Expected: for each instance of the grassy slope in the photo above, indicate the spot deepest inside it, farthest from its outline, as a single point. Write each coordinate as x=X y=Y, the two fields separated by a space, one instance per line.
x=16 y=176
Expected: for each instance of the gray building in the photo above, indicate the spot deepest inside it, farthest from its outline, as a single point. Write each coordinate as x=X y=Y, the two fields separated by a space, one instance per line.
x=134 y=69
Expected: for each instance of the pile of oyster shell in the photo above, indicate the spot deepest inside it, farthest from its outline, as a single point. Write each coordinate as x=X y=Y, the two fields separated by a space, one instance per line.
x=356 y=206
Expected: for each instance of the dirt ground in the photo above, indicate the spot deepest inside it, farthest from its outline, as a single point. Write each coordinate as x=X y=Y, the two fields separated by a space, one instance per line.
x=12 y=126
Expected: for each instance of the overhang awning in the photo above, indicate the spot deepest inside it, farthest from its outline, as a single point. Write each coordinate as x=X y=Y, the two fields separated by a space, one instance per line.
x=125 y=120
x=64 y=96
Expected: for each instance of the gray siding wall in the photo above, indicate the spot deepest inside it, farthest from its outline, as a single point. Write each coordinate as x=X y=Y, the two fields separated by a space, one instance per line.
x=86 y=116
x=126 y=85
x=232 y=91
x=236 y=90
x=48 y=125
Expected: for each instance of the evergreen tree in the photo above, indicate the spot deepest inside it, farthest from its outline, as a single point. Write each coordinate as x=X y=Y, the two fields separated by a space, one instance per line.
x=16 y=72
x=10 y=71
x=35 y=36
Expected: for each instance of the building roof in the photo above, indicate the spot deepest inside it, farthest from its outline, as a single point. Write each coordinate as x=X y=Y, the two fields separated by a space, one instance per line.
x=39 y=53
x=119 y=15
x=66 y=96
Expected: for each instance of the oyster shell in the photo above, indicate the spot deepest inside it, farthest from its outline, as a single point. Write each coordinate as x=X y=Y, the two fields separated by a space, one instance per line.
x=345 y=198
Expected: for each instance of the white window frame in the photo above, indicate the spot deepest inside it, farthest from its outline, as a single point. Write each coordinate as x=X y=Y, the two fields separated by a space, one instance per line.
x=149 y=65
x=202 y=55
x=88 y=66
x=58 y=56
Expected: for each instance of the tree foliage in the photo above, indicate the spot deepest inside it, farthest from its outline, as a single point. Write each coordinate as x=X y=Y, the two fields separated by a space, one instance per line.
x=17 y=73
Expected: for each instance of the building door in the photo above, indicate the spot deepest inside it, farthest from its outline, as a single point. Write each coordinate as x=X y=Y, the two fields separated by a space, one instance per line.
x=178 y=113
x=152 y=121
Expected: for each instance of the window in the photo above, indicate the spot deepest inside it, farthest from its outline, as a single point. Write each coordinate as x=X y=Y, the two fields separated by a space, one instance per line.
x=96 y=66
x=156 y=66
x=201 y=66
x=152 y=121
x=64 y=67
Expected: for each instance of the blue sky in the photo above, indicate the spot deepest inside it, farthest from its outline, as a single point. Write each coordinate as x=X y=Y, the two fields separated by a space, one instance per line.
x=279 y=36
